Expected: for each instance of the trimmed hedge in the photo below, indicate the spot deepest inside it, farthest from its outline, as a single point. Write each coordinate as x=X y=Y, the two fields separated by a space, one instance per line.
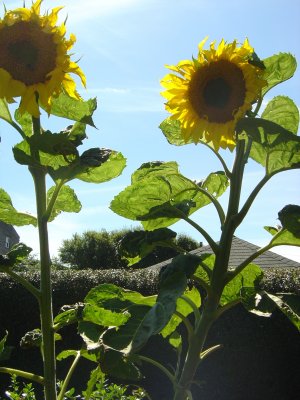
x=259 y=359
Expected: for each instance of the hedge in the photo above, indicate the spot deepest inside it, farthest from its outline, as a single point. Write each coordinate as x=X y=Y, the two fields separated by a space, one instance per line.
x=259 y=358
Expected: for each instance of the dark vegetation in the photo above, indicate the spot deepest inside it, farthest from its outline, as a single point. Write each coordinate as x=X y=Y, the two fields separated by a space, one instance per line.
x=259 y=358
x=101 y=250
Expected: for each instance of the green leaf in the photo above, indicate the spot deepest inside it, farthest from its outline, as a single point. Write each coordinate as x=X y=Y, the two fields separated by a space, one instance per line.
x=153 y=168
x=183 y=308
x=175 y=340
x=73 y=353
x=257 y=302
x=25 y=120
x=273 y=147
x=100 y=316
x=283 y=237
x=69 y=315
x=289 y=217
x=109 y=167
x=18 y=252
x=166 y=197
x=136 y=245
x=10 y=215
x=90 y=334
x=5 y=351
x=171 y=129
x=76 y=110
x=289 y=304
x=66 y=201
x=96 y=376
x=284 y=112
x=4 y=111
x=205 y=268
x=249 y=277
x=173 y=282
x=278 y=68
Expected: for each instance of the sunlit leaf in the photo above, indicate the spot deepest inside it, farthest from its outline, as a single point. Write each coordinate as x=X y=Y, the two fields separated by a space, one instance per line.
x=4 y=111
x=66 y=201
x=25 y=120
x=166 y=197
x=171 y=129
x=289 y=304
x=96 y=376
x=249 y=277
x=10 y=215
x=273 y=147
x=153 y=168
x=205 y=268
x=284 y=112
x=76 y=110
x=278 y=68
x=18 y=252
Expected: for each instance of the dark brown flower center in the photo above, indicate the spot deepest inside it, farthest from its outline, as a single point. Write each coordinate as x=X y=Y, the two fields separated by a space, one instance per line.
x=27 y=53
x=217 y=90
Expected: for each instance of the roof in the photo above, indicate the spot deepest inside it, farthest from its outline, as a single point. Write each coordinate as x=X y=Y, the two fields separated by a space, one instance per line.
x=240 y=251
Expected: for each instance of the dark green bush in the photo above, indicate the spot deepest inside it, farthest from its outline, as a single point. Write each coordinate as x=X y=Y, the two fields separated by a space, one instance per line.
x=100 y=250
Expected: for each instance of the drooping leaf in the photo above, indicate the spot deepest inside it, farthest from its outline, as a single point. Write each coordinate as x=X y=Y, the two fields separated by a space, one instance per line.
x=5 y=351
x=173 y=282
x=284 y=112
x=278 y=68
x=66 y=201
x=136 y=245
x=166 y=197
x=18 y=252
x=77 y=110
x=90 y=334
x=25 y=120
x=273 y=147
x=10 y=215
x=249 y=277
x=183 y=308
x=4 y=111
x=68 y=314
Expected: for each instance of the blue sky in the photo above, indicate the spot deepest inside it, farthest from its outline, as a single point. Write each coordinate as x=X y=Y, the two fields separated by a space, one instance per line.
x=123 y=46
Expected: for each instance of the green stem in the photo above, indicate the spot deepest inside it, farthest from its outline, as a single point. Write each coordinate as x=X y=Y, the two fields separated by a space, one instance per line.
x=158 y=365
x=210 y=307
x=226 y=170
x=23 y=374
x=186 y=322
x=215 y=203
x=46 y=314
x=27 y=285
x=68 y=377
x=53 y=200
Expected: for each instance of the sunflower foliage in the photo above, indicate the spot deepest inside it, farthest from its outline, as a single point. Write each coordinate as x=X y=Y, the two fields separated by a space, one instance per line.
x=214 y=100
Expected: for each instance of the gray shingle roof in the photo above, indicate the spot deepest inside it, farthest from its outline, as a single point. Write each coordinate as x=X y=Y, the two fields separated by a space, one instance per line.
x=240 y=250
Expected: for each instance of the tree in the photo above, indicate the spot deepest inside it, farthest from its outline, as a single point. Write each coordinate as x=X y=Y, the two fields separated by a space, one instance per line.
x=100 y=250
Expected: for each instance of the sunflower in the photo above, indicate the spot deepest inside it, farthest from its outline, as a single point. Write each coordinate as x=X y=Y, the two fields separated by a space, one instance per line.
x=34 y=60
x=208 y=95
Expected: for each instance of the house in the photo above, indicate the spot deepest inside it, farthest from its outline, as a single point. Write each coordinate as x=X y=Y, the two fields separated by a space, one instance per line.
x=8 y=237
x=240 y=251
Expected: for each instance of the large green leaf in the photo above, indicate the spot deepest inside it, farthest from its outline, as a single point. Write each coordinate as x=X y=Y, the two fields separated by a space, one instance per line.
x=153 y=168
x=76 y=110
x=173 y=283
x=107 y=170
x=138 y=244
x=278 y=68
x=17 y=253
x=4 y=111
x=10 y=215
x=282 y=237
x=205 y=268
x=166 y=197
x=284 y=112
x=249 y=278
x=114 y=363
x=273 y=146
x=66 y=201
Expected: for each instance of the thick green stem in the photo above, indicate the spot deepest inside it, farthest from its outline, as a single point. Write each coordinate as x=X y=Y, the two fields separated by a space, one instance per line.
x=46 y=315
x=210 y=308
x=23 y=374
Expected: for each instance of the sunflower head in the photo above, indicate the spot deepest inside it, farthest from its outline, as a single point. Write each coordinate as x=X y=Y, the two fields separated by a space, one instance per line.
x=34 y=60
x=209 y=94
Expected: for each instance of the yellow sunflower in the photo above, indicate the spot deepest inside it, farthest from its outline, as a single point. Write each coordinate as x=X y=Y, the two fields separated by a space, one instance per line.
x=34 y=60
x=211 y=93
